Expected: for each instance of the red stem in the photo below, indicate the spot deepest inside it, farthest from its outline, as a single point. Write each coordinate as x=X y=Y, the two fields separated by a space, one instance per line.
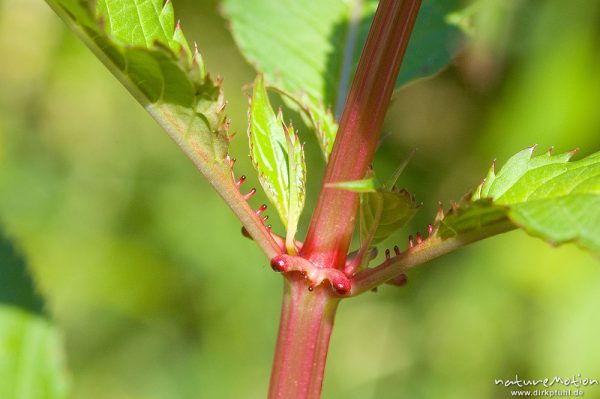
x=307 y=317
x=419 y=254
x=334 y=217
x=303 y=341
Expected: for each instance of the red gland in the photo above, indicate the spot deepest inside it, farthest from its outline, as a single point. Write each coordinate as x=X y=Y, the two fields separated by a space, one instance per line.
x=250 y=194
x=410 y=241
x=260 y=210
x=399 y=280
x=429 y=230
x=419 y=238
x=396 y=250
x=245 y=233
x=387 y=254
x=279 y=264
x=341 y=285
x=240 y=181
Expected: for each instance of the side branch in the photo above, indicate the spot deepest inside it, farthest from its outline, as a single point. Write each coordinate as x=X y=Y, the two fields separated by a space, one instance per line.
x=430 y=249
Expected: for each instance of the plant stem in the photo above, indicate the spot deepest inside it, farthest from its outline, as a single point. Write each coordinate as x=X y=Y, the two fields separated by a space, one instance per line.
x=333 y=220
x=307 y=317
x=303 y=341
x=430 y=249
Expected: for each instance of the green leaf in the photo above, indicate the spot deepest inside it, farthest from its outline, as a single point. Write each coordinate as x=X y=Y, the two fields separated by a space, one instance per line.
x=140 y=43
x=386 y=209
x=383 y=212
x=16 y=285
x=383 y=209
x=470 y=216
x=315 y=60
x=546 y=195
x=32 y=362
x=142 y=23
x=315 y=115
x=144 y=48
x=278 y=157
x=358 y=186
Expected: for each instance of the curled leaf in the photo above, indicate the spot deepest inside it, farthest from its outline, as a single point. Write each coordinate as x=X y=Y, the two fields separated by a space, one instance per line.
x=383 y=208
x=383 y=212
x=278 y=157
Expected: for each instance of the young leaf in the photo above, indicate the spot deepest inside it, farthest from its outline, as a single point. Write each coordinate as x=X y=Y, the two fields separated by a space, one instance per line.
x=547 y=196
x=383 y=209
x=314 y=114
x=383 y=212
x=387 y=209
x=358 y=186
x=144 y=48
x=315 y=61
x=31 y=357
x=278 y=157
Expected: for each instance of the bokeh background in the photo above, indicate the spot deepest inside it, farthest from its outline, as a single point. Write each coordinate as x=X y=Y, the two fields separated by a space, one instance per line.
x=157 y=295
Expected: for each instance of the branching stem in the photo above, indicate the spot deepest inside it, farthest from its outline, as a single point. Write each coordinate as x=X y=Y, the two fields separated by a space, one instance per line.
x=429 y=249
x=333 y=220
x=307 y=317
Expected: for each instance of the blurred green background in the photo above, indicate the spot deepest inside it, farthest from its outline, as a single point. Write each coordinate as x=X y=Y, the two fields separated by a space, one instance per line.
x=156 y=293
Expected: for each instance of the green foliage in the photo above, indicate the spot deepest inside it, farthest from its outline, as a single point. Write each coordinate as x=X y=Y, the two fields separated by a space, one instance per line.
x=358 y=186
x=546 y=195
x=142 y=24
x=16 y=286
x=384 y=209
x=383 y=212
x=310 y=50
x=142 y=225
x=278 y=157
x=31 y=358
x=31 y=365
x=470 y=216
x=140 y=44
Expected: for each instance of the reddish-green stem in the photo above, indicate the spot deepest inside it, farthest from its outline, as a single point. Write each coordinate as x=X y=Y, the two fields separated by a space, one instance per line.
x=304 y=332
x=334 y=217
x=430 y=249
x=307 y=317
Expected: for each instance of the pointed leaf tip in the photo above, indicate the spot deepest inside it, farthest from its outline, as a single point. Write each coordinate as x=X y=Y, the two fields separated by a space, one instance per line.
x=277 y=155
